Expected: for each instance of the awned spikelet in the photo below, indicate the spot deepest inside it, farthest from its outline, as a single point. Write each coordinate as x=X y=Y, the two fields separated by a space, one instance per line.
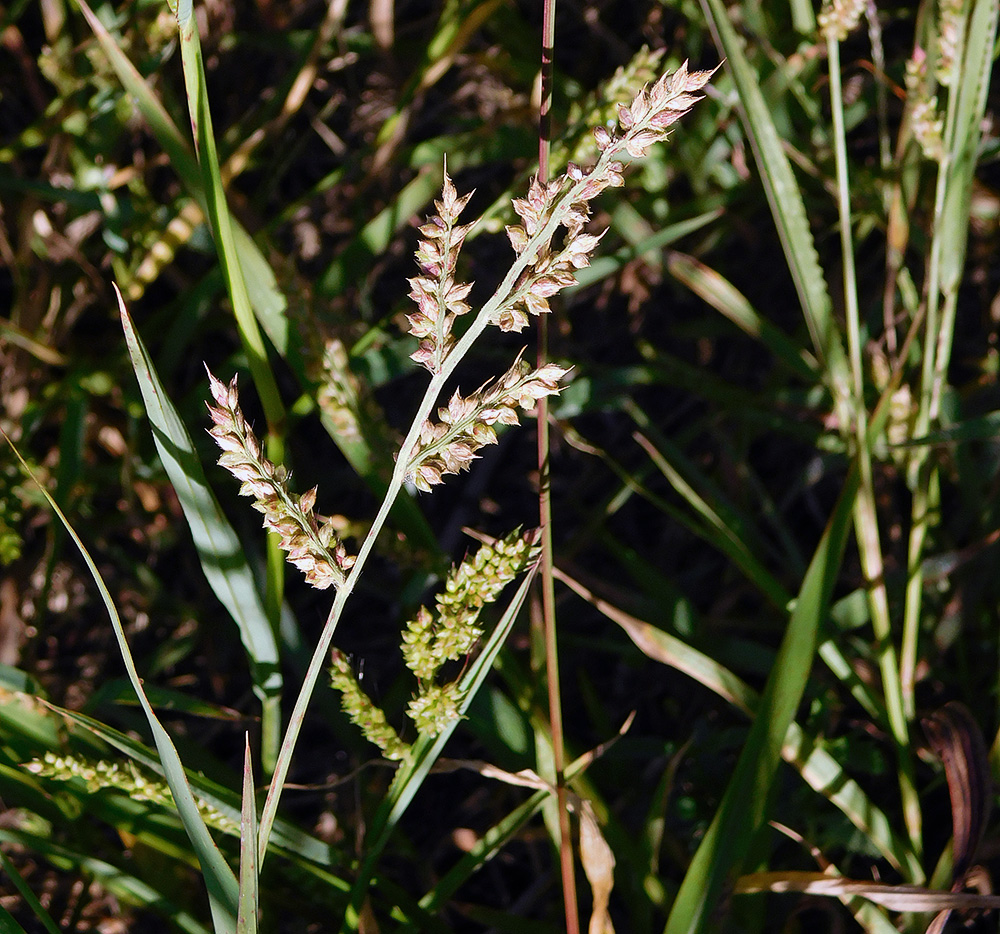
x=465 y=425
x=439 y=298
x=312 y=547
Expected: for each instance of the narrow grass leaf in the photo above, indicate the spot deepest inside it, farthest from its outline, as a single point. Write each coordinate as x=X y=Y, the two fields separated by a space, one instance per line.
x=895 y=897
x=785 y=199
x=598 y=863
x=246 y=922
x=755 y=571
x=816 y=766
x=720 y=856
x=480 y=853
x=118 y=882
x=725 y=298
x=294 y=842
x=30 y=899
x=722 y=534
x=602 y=267
x=8 y=924
x=219 y=879
x=219 y=549
x=971 y=89
x=218 y=213
x=268 y=301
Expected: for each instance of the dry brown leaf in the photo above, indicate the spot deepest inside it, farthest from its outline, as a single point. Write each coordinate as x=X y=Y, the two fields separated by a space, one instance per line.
x=599 y=865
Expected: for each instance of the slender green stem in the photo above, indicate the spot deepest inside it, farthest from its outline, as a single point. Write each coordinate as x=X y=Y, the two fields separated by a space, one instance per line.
x=865 y=513
x=937 y=337
x=250 y=335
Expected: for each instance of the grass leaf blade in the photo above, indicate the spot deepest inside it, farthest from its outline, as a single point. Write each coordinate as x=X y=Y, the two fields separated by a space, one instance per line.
x=218 y=546
x=219 y=879
x=722 y=851
x=785 y=199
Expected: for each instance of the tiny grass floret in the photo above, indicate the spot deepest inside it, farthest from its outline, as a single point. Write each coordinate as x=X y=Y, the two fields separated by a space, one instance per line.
x=439 y=297
x=838 y=18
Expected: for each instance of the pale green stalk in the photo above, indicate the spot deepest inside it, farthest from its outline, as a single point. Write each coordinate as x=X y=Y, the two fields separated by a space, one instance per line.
x=865 y=513
x=966 y=104
x=250 y=335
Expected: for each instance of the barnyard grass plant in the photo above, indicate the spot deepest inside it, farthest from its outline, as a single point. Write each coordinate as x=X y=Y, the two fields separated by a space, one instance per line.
x=549 y=245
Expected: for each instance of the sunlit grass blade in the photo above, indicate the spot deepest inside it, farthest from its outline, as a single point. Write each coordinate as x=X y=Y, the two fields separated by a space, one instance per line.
x=725 y=298
x=478 y=855
x=219 y=879
x=270 y=304
x=8 y=925
x=970 y=80
x=219 y=549
x=221 y=221
x=604 y=266
x=741 y=814
x=897 y=897
x=786 y=203
x=818 y=768
x=246 y=922
x=424 y=754
x=970 y=88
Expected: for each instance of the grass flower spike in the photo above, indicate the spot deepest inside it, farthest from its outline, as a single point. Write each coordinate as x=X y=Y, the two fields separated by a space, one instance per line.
x=838 y=18
x=440 y=299
x=466 y=423
x=363 y=712
x=433 y=638
x=312 y=547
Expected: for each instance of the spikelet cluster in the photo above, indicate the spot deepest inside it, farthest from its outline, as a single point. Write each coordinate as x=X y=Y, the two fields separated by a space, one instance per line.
x=452 y=631
x=563 y=202
x=439 y=297
x=124 y=778
x=926 y=122
x=838 y=18
x=339 y=392
x=363 y=712
x=600 y=107
x=466 y=424
x=312 y=547
x=949 y=33
x=434 y=637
